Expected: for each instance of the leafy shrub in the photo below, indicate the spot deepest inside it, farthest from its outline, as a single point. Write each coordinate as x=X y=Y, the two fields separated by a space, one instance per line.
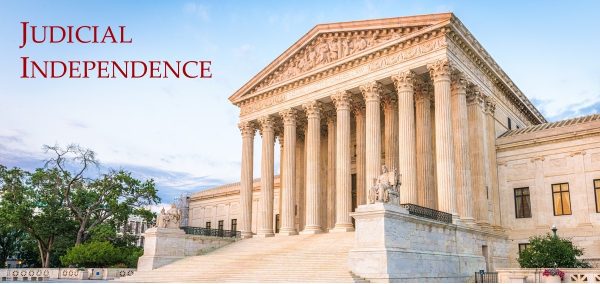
x=101 y=254
x=550 y=251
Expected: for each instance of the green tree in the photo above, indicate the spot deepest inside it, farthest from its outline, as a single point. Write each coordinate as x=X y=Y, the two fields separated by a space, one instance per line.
x=29 y=203
x=112 y=196
x=9 y=241
x=551 y=251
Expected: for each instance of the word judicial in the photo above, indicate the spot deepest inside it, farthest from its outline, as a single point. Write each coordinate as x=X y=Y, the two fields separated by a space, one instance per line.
x=134 y=69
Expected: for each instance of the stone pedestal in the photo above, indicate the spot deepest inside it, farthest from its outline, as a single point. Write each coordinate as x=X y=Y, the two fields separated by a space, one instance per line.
x=161 y=246
x=394 y=246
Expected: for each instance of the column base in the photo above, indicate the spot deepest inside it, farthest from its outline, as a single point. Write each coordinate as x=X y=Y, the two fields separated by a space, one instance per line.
x=247 y=235
x=342 y=228
x=287 y=232
x=311 y=230
x=265 y=234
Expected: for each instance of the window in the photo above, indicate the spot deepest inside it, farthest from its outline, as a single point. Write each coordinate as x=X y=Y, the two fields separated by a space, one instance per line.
x=509 y=123
x=523 y=247
x=220 y=224
x=522 y=203
x=208 y=225
x=233 y=225
x=561 y=199
x=597 y=193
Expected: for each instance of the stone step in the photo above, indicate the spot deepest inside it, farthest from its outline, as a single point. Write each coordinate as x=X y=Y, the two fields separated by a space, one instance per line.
x=301 y=258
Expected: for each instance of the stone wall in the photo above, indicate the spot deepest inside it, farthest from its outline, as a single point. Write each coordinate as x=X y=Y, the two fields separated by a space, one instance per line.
x=393 y=246
x=166 y=245
x=568 y=154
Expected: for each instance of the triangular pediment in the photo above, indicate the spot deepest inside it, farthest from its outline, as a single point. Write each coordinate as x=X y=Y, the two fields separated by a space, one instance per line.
x=328 y=44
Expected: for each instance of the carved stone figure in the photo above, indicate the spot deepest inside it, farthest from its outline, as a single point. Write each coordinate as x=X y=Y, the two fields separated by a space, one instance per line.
x=386 y=187
x=169 y=219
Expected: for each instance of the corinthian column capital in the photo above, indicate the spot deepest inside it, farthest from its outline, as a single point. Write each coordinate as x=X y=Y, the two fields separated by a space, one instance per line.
x=267 y=124
x=404 y=81
x=389 y=101
x=342 y=100
x=474 y=96
x=247 y=128
x=459 y=83
x=358 y=107
x=289 y=116
x=440 y=69
x=313 y=109
x=490 y=105
x=371 y=91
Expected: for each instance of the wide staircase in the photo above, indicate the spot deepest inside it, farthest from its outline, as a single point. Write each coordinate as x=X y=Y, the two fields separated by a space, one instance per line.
x=302 y=258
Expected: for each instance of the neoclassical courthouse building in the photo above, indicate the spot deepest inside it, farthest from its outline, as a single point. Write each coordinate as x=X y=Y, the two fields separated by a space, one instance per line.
x=421 y=96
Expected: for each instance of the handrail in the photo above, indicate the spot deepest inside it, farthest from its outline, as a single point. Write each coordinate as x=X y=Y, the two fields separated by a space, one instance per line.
x=429 y=213
x=211 y=232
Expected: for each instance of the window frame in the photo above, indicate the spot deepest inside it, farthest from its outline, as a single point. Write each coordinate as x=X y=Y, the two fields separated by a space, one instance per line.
x=561 y=199
x=515 y=200
x=596 y=189
x=208 y=225
x=525 y=245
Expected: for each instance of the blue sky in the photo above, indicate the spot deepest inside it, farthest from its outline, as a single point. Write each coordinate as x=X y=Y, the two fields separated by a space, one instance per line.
x=183 y=132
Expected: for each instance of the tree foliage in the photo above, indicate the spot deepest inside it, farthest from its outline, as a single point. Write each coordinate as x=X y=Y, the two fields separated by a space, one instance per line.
x=101 y=254
x=550 y=251
x=29 y=203
x=112 y=196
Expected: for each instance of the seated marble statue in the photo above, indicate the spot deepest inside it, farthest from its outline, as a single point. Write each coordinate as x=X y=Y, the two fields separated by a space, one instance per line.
x=386 y=187
x=169 y=219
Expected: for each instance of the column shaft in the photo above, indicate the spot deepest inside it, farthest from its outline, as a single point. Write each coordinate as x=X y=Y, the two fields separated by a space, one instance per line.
x=390 y=130
x=358 y=107
x=404 y=83
x=288 y=182
x=313 y=186
x=464 y=201
x=440 y=73
x=343 y=160
x=372 y=94
x=475 y=106
x=490 y=108
x=266 y=178
x=331 y=178
x=246 y=180
x=426 y=195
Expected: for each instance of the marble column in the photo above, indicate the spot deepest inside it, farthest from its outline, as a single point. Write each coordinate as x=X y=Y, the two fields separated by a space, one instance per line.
x=404 y=83
x=440 y=73
x=460 y=126
x=490 y=109
x=358 y=109
x=288 y=180
x=426 y=195
x=343 y=177
x=246 y=181
x=390 y=130
x=331 y=181
x=267 y=131
x=313 y=185
x=372 y=95
x=475 y=107
x=300 y=176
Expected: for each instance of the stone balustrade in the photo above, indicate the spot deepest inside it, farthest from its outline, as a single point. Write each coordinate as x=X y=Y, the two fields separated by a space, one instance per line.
x=43 y=274
x=572 y=275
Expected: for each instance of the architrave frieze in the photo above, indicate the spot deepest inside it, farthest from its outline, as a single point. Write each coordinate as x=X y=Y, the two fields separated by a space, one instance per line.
x=377 y=61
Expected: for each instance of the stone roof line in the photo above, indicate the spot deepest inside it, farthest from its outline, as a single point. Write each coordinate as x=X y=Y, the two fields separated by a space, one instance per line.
x=551 y=125
x=219 y=188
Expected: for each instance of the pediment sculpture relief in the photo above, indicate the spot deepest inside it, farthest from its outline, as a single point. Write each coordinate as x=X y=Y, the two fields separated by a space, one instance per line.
x=386 y=188
x=331 y=47
x=169 y=219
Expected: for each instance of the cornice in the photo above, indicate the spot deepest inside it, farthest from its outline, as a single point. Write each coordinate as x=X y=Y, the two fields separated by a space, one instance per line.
x=461 y=36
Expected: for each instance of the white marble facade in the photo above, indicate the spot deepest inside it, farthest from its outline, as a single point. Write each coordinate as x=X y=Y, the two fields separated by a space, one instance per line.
x=418 y=94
